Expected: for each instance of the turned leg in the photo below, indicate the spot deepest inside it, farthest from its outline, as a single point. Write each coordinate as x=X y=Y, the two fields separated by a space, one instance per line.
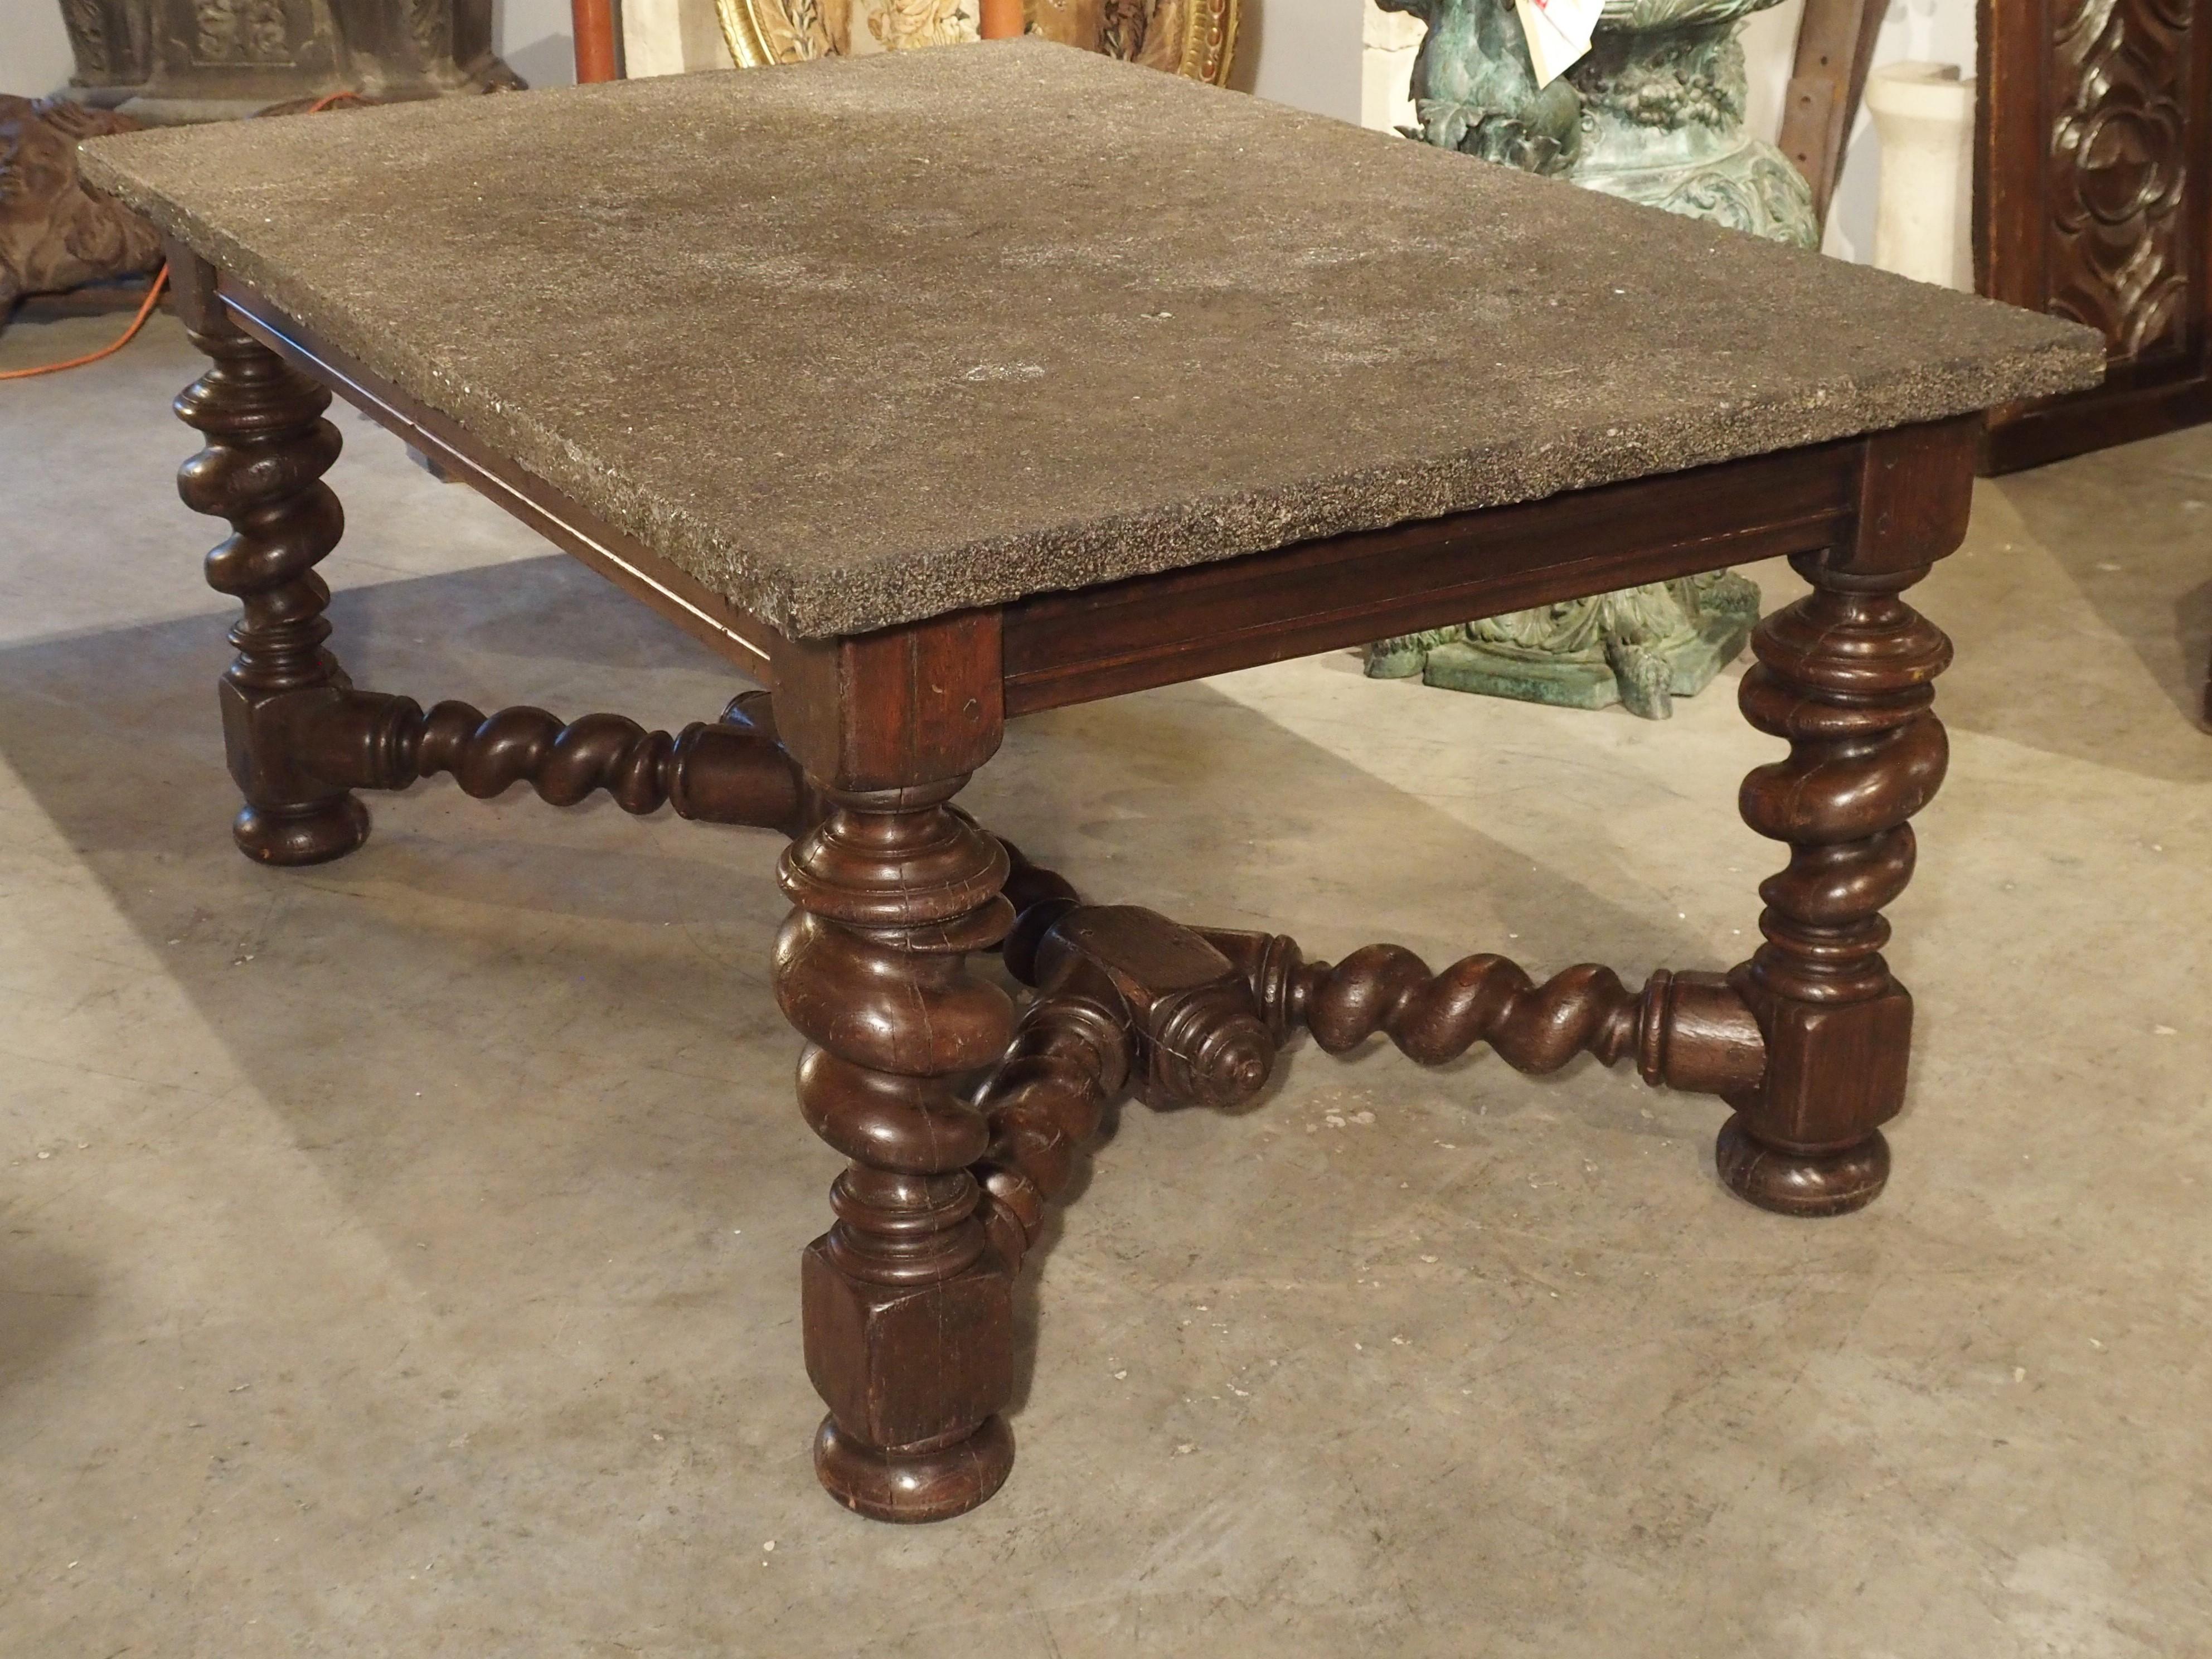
x=1846 y=676
x=908 y=1310
x=267 y=449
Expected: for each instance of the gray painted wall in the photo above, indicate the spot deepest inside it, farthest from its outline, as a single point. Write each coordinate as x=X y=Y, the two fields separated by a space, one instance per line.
x=35 y=54
x=1302 y=52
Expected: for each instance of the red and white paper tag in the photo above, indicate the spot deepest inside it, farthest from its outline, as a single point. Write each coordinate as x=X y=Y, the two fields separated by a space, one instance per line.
x=1558 y=33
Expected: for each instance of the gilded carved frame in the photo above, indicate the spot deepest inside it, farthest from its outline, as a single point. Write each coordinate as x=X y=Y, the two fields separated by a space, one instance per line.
x=1196 y=39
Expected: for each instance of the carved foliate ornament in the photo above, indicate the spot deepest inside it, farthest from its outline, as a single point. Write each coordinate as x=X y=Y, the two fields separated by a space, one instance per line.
x=2119 y=149
x=1196 y=39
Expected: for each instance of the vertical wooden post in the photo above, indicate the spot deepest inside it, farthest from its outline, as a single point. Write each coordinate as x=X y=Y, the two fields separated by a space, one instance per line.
x=267 y=449
x=1827 y=77
x=1846 y=674
x=908 y=1306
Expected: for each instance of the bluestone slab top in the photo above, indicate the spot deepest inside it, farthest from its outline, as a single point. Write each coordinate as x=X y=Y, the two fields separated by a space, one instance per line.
x=861 y=342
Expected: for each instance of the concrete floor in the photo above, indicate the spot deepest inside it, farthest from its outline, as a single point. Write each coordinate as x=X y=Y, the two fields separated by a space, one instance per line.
x=399 y=1256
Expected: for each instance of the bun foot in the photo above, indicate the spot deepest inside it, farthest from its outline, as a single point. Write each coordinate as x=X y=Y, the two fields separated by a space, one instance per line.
x=1799 y=1184
x=314 y=834
x=929 y=1486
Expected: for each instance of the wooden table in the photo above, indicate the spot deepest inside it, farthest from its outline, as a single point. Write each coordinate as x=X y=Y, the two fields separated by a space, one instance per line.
x=925 y=416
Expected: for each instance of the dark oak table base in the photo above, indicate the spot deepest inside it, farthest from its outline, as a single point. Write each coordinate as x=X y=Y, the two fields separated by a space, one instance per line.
x=961 y=1114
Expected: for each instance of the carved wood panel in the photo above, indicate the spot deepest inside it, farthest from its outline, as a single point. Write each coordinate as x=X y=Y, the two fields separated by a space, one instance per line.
x=2092 y=199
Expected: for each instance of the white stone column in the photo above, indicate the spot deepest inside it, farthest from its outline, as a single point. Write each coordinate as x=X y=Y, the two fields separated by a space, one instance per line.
x=1924 y=115
x=1388 y=41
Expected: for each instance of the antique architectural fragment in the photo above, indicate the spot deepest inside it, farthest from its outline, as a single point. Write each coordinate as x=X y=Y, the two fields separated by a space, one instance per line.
x=2092 y=197
x=54 y=234
x=164 y=61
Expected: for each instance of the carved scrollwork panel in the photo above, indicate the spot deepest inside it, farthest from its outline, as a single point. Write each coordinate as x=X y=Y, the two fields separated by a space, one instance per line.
x=2093 y=201
x=2121 y=244
x=231 y=32
x=88 y=31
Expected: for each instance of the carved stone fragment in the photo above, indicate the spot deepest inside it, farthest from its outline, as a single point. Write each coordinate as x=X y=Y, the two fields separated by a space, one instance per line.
x=167 y=61
x=55 y=234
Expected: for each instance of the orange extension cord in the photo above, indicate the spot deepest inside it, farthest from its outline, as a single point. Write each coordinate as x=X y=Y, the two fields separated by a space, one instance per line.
x=145 y=310
x=160 y=278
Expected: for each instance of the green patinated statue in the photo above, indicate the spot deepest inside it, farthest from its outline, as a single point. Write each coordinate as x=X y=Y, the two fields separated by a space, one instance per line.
x=1639 y=646
x=1654 y=115
x=1475 y=89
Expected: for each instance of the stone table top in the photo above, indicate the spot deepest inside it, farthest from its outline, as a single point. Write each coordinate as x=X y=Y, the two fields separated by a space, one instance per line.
x=861 y=342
